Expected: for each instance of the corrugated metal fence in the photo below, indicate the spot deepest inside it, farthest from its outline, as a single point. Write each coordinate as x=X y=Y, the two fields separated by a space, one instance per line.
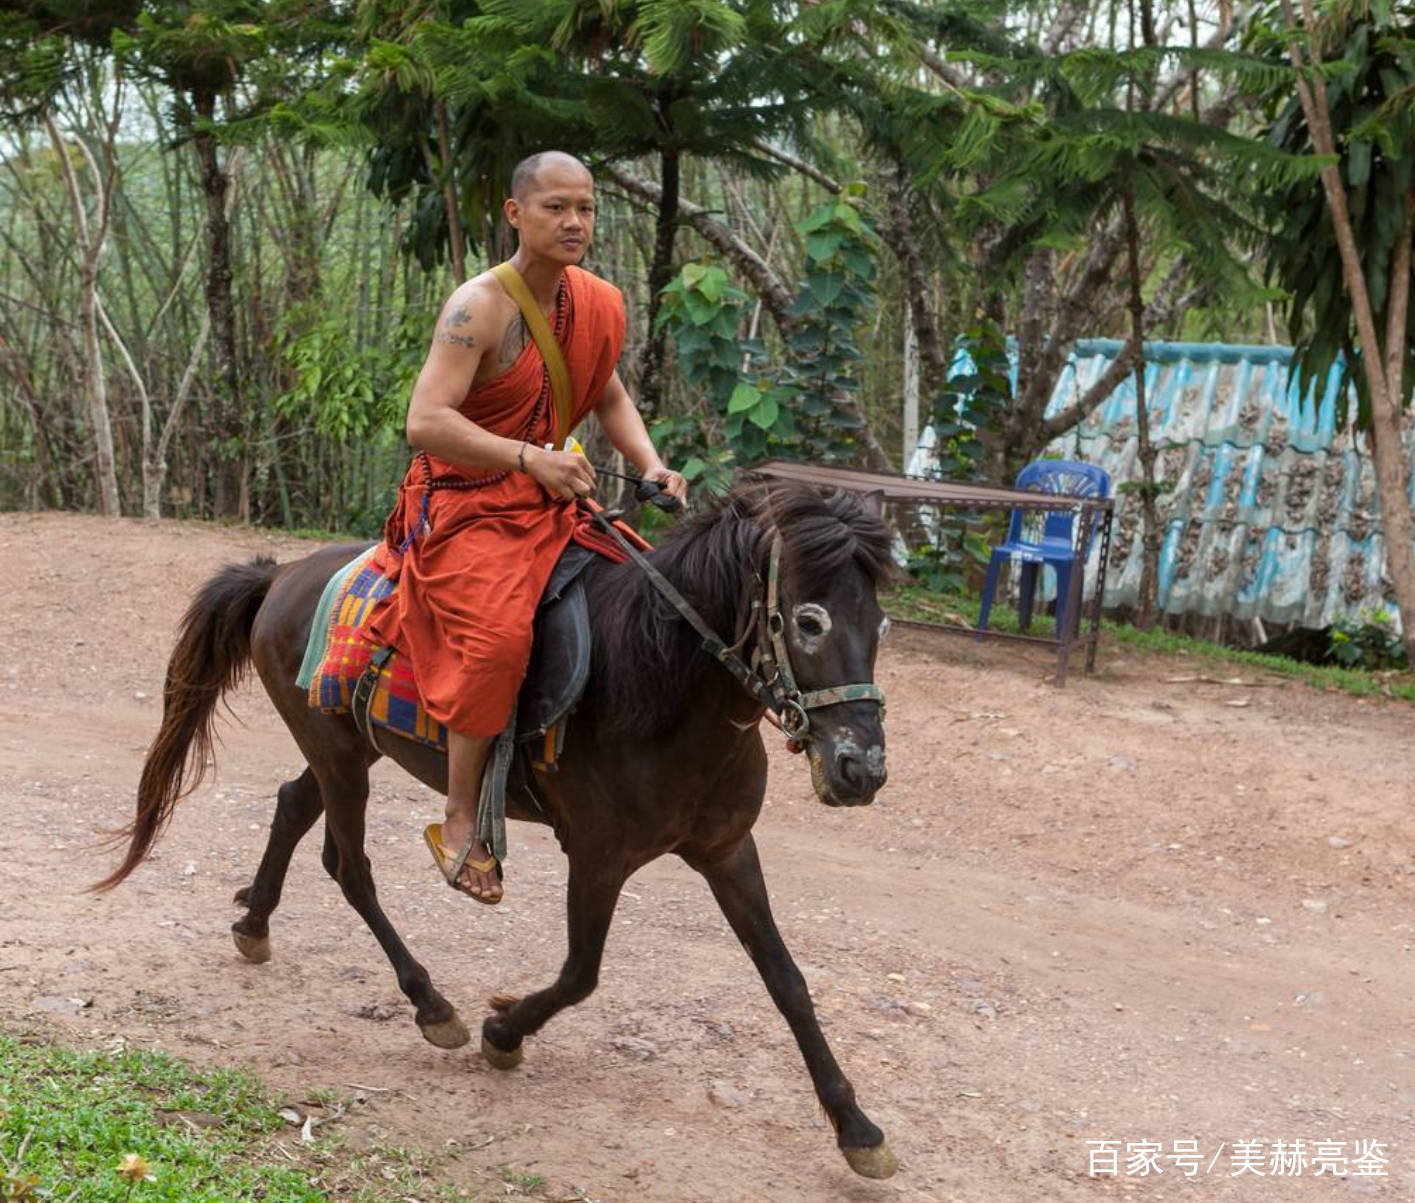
x=1271 y=512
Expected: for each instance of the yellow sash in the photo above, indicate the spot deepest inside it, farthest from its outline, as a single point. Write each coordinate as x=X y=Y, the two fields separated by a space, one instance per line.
x=517 y=289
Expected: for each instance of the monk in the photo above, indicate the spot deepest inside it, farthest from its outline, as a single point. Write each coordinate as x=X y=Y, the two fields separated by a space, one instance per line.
x=488 y=504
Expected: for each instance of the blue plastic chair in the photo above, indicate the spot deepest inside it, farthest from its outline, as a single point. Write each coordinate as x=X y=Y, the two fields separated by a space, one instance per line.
x=1065 y=477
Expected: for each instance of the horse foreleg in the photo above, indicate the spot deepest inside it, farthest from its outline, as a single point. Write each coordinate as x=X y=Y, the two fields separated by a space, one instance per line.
x=297 y=806
x=591 y=897
x=736 y=883
x=345 y=861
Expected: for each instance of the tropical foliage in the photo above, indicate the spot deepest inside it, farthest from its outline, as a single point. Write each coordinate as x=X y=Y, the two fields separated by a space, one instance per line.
x=226 y=225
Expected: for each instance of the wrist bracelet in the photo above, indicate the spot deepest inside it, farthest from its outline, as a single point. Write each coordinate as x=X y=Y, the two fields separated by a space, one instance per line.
x=521 y=456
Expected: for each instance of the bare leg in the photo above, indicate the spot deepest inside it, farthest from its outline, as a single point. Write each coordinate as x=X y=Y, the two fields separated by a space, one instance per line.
x=466 y=762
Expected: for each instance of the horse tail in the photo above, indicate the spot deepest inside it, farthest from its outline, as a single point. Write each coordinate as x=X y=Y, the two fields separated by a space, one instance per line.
x=212 y=654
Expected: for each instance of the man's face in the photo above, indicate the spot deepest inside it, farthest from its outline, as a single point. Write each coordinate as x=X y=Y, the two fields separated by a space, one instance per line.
x=555 y=217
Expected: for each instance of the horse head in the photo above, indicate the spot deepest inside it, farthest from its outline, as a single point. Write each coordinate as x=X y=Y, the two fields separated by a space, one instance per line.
x=824 y=625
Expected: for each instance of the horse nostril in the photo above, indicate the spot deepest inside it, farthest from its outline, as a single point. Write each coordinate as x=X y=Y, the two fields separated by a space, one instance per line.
x=851 y=769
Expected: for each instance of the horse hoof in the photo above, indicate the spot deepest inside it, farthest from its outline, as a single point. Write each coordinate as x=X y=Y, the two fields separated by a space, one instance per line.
x=256 y=949
x=877 y=1162
x=499 y=1058
x=447 y=1033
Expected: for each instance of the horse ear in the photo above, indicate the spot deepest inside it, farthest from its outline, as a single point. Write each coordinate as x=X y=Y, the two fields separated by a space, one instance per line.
x=873 y=502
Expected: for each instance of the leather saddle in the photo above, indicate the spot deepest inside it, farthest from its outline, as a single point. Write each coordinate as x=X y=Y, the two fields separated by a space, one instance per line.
x=560 y=658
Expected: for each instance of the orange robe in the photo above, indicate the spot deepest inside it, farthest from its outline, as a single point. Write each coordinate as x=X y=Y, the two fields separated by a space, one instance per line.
x=470 y=577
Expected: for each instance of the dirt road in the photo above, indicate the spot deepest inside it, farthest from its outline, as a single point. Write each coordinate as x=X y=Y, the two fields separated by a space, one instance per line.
x=1131 y=910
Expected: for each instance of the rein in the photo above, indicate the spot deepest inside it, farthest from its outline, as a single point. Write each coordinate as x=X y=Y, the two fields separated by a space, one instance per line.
x=769 y=677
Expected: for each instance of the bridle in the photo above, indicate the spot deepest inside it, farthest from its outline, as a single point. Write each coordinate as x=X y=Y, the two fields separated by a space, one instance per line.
x=768 y=676
x=773 y=658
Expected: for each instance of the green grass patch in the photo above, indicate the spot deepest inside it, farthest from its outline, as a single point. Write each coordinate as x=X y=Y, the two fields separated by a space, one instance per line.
x=1318 y=676
x=919 y=604
x=516 y=1180
x=916 y=603
x=143 y=1127
x=69 y=1120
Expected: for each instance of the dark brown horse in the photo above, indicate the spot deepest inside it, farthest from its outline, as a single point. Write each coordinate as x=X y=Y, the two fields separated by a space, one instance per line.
x=664 y=753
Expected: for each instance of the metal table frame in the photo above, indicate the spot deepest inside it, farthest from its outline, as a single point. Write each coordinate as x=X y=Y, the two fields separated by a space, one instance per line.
x=913 y=490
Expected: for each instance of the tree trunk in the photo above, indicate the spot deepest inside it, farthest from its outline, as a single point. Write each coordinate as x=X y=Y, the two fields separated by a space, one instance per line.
x=898 y=232
x=1150 y=532
x=910 y=417
x=1039 y=369
x=105 y=466
x=1150 y=538
x=154 y=464
x=225 y=435
x=776 y=293
x=449 y=195
x=660 y=276
x=24 y=388
x=1387 y=445
x=90 y=238
x=300 y=237
x=1386 y=387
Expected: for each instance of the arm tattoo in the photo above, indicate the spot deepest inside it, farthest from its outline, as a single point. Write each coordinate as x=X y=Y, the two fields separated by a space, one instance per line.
x=459 y=317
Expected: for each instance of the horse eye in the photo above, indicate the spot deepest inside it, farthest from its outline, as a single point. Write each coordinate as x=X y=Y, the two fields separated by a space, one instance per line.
x=809 y=625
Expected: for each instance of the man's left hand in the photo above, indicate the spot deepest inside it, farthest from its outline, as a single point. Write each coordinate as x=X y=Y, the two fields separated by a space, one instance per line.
x=673 y=482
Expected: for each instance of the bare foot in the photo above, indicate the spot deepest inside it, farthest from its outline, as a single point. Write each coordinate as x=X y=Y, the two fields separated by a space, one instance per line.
x=480 y=883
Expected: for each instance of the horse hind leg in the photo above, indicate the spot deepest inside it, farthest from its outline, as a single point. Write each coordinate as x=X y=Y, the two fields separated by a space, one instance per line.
x=346 y=797
x=298 y=804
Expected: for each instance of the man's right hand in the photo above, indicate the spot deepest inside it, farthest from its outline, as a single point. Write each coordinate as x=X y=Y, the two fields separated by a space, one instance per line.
x=561 y=473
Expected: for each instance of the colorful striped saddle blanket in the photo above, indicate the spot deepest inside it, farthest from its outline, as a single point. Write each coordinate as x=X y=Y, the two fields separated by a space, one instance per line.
x=337 y=655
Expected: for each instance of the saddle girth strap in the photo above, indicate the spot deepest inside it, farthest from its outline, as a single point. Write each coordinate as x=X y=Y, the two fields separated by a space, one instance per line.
x=361 y=703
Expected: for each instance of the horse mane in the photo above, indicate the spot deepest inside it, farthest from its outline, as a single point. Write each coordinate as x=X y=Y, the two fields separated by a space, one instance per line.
x=643 y=650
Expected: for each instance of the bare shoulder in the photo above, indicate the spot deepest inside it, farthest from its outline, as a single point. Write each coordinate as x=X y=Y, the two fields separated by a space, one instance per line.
x=472 y=316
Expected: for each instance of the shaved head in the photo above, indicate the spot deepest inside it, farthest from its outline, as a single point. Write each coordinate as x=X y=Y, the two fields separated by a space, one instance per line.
x=528 y=170
x=551 y=208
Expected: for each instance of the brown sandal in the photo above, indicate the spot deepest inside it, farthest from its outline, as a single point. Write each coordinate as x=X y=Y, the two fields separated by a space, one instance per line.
x=450 y=864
